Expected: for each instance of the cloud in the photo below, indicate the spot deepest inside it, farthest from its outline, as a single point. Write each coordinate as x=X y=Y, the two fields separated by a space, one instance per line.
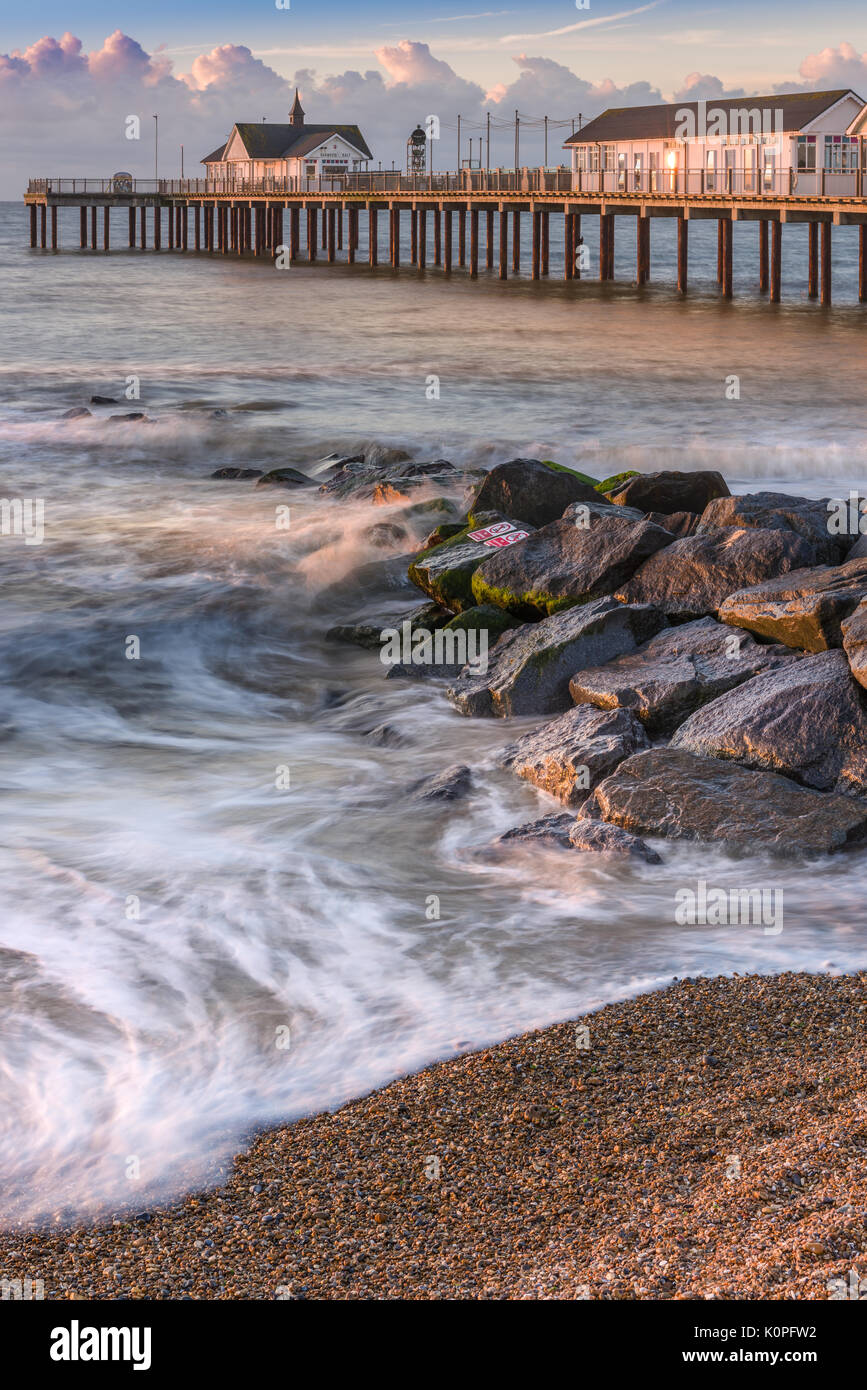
x=701 y=85
x=583 y=24
x=122 y=57
x=836 y=67
x=546 y=85
x=414 y=63
x=230 y=65
x=69 y=108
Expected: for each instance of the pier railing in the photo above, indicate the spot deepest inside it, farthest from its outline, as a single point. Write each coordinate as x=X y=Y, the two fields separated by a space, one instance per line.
x=670 y=182
x=385 y=181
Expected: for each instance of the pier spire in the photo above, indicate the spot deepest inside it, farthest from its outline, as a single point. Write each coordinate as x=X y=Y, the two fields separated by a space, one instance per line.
x=296 y=115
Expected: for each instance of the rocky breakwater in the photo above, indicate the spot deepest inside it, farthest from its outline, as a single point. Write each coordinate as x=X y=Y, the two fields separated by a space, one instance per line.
x=671 y=669
x=696 y=662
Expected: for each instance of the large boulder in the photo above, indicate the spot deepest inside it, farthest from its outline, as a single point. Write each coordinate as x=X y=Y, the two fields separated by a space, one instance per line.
x=667 y=791
x=854 y=632
x=777 y=511
x=694 y=576
x=445 y=570
x=568 y=756
x=670 y=491
x=529 y=668
x=804 y=608
x=678 y=670
x=536 y=492
x=564 y=564
x=806 y=720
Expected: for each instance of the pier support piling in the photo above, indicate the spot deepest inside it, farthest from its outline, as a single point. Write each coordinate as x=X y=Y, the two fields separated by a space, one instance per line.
x=353 y=233
x=516 y=242
x=332 y=233
x=776 y=261
x=311 y=234
x=143 y=227
x=92 y=227
x=54 y=227
x=826 y=262
x=462 y=238
x=393 y=237
x=32 y=224
x=720 y=250
x=132 y=228
x=642 y=236
x=422 y=239
x=474 y=245
x=438 y=244
x=536 y=254
x=813 y=262
x=413 y=237
x=373 y=223
x=106 y=228
x=763 y=255
x=862 y=264
x=576 y=245
x=682 y=254
x=504 y=244
x=447 y=242
x=546 y=240
x=568 y=246
x=489 y=239
x=728 y=228
x=82 y=225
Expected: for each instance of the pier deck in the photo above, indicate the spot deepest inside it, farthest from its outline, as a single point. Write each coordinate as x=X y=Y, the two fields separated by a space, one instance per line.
x=249 y=219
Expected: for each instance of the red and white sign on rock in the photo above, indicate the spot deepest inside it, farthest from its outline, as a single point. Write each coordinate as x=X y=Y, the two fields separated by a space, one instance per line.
x=499 y=528
x=500 y=533
x=508 y=539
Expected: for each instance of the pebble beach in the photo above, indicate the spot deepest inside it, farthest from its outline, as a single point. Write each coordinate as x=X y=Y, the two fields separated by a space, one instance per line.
x=705 y=1141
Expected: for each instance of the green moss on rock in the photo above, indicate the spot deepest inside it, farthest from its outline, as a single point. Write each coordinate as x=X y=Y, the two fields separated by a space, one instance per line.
x=616 y=480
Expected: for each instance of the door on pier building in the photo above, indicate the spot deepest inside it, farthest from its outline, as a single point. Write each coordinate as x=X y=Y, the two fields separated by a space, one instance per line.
x=730 y=156
x=652 y=172
x=769 y=164
x=710 y=171
x=638 y=172
x=749 y=168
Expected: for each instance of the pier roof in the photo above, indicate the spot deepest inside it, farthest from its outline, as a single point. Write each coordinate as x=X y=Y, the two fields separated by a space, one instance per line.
x=267 y=140
x=660 y=122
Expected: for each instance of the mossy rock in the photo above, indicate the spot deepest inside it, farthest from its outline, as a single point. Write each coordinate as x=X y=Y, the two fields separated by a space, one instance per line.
x=445 y=532
x=445 y=570
x=483 y=617
x=616 y=480
x=582 y=477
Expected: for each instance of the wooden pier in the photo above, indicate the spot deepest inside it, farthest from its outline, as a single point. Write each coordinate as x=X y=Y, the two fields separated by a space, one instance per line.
x=266 y=221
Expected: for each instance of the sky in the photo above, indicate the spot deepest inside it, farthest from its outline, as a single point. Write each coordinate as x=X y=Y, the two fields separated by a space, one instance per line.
x=72 y=75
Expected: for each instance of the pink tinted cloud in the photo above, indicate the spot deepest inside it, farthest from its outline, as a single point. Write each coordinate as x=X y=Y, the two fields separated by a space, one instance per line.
x=836 y=67
x=230 y=64
x=122 y=57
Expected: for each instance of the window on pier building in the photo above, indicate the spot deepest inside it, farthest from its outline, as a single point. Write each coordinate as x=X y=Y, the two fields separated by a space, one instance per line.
x=621 y=171
x=841 y=153
x=608 y=159
x=806 y=152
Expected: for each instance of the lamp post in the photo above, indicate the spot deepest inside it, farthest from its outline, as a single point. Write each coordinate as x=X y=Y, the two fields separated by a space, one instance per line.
x=156 y=148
